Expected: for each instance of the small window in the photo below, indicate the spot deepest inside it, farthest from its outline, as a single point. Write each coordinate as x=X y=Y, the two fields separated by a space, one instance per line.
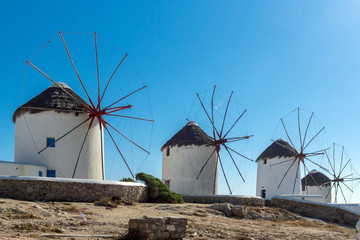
x=265 y=161
x=50 y=142
x=167 y=151
x=263 y=193
x=50 y=173
x=40 y=174
x=167 y=183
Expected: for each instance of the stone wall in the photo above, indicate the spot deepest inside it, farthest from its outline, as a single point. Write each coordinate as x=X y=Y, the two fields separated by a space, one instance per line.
x=157 y=228
x=72 y=190
x=232 y=199
x=322 y=211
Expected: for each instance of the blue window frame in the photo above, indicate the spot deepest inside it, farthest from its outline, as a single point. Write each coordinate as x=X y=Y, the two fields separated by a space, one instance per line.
x=50 y=173
x=50 y=142
x=40 y=174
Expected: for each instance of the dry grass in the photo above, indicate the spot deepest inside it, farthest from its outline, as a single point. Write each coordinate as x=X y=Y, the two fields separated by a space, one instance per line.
x=48 y=229
x=22 y=216
x=73 y=209
x=107 y=202
x=26 y=227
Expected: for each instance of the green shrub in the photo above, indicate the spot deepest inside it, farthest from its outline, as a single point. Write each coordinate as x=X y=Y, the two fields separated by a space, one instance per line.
x=158 y=191
x=127 y=180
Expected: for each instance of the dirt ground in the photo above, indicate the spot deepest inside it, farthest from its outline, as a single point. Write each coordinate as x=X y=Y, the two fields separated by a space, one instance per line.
x=32 y=220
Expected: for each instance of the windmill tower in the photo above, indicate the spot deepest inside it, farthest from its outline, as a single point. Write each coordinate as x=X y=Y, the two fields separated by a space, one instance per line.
x=316 y=183
x=272 y=166
x=182 y=158
x=64 y=132
x=42 y=120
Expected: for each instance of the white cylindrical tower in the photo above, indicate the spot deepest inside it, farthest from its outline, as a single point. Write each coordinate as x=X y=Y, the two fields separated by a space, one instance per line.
x=316 y=183
x=184 y=155
x=50 y=130
x=273 y=164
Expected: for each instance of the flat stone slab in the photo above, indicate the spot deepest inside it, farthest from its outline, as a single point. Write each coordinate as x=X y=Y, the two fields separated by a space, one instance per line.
x=232 y=199
x=157 y=228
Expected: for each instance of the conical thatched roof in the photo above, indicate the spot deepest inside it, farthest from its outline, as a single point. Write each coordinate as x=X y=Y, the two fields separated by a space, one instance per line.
x=319 y=177
x=279 y=148
x=59 y=99
x=191 y=134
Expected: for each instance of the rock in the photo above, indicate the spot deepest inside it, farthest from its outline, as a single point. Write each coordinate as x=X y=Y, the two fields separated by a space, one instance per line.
x=157 y=228
x=170 y=228
x=200 y=213
x=224 y=207
x=239 y=211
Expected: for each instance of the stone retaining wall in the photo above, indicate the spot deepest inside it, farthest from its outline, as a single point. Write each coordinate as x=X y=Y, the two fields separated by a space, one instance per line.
x=72 y=190
x=317 y=210
x=232 y=199
x=157 y=228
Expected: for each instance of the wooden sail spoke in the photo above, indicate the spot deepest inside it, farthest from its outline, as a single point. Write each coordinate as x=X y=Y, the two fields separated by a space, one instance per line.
x=227 y=182
x=111 y=77
x=73 y=129
x=238 y=153
x=287 y=171
x=237 y=120
x=137 y=145
x=136 y=118
x=234 y=162
x=81 y=148
x=128 y=95
x=207 y=114
x=323 y=168
x=202 y=168
x=285 y=161
x=292 y=144
x=226 y=110
x=119 y=150
x=76 y=72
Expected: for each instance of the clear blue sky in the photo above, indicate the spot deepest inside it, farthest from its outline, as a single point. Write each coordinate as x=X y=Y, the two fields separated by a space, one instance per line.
x=275 y=55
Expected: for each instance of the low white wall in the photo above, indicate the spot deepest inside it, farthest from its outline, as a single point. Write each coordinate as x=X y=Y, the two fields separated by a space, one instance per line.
x=312 y=198
x=328 y=212
x=353 y=207
x=21 y=169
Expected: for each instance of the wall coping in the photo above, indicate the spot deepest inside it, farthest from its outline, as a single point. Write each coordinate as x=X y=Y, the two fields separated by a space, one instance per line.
x=335 y=205
x=222 y=196
x=88 y=181
x=21 y=163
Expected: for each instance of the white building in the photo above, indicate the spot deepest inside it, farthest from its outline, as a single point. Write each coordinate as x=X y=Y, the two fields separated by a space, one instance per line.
x=273 y=164
x=321 y=186
x=183 y=156
x=49 y=135
x=21 y=169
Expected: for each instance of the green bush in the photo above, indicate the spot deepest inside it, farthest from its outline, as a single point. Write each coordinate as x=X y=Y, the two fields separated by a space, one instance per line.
x=127 y=180
x=158 y=191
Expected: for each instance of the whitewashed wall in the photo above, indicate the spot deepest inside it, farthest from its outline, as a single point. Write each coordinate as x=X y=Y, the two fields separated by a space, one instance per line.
x=269 y=177
x=183 y=165
x=32 y=130
x=315 y=190
x=18 y=169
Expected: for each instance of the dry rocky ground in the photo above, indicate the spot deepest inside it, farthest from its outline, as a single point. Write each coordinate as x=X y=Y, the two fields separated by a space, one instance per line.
x=31 y=220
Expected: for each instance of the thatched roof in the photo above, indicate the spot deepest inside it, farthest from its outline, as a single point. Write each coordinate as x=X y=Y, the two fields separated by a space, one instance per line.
x=191 y=134
x=279 y=148
x=55 y=98
x=319 y=177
